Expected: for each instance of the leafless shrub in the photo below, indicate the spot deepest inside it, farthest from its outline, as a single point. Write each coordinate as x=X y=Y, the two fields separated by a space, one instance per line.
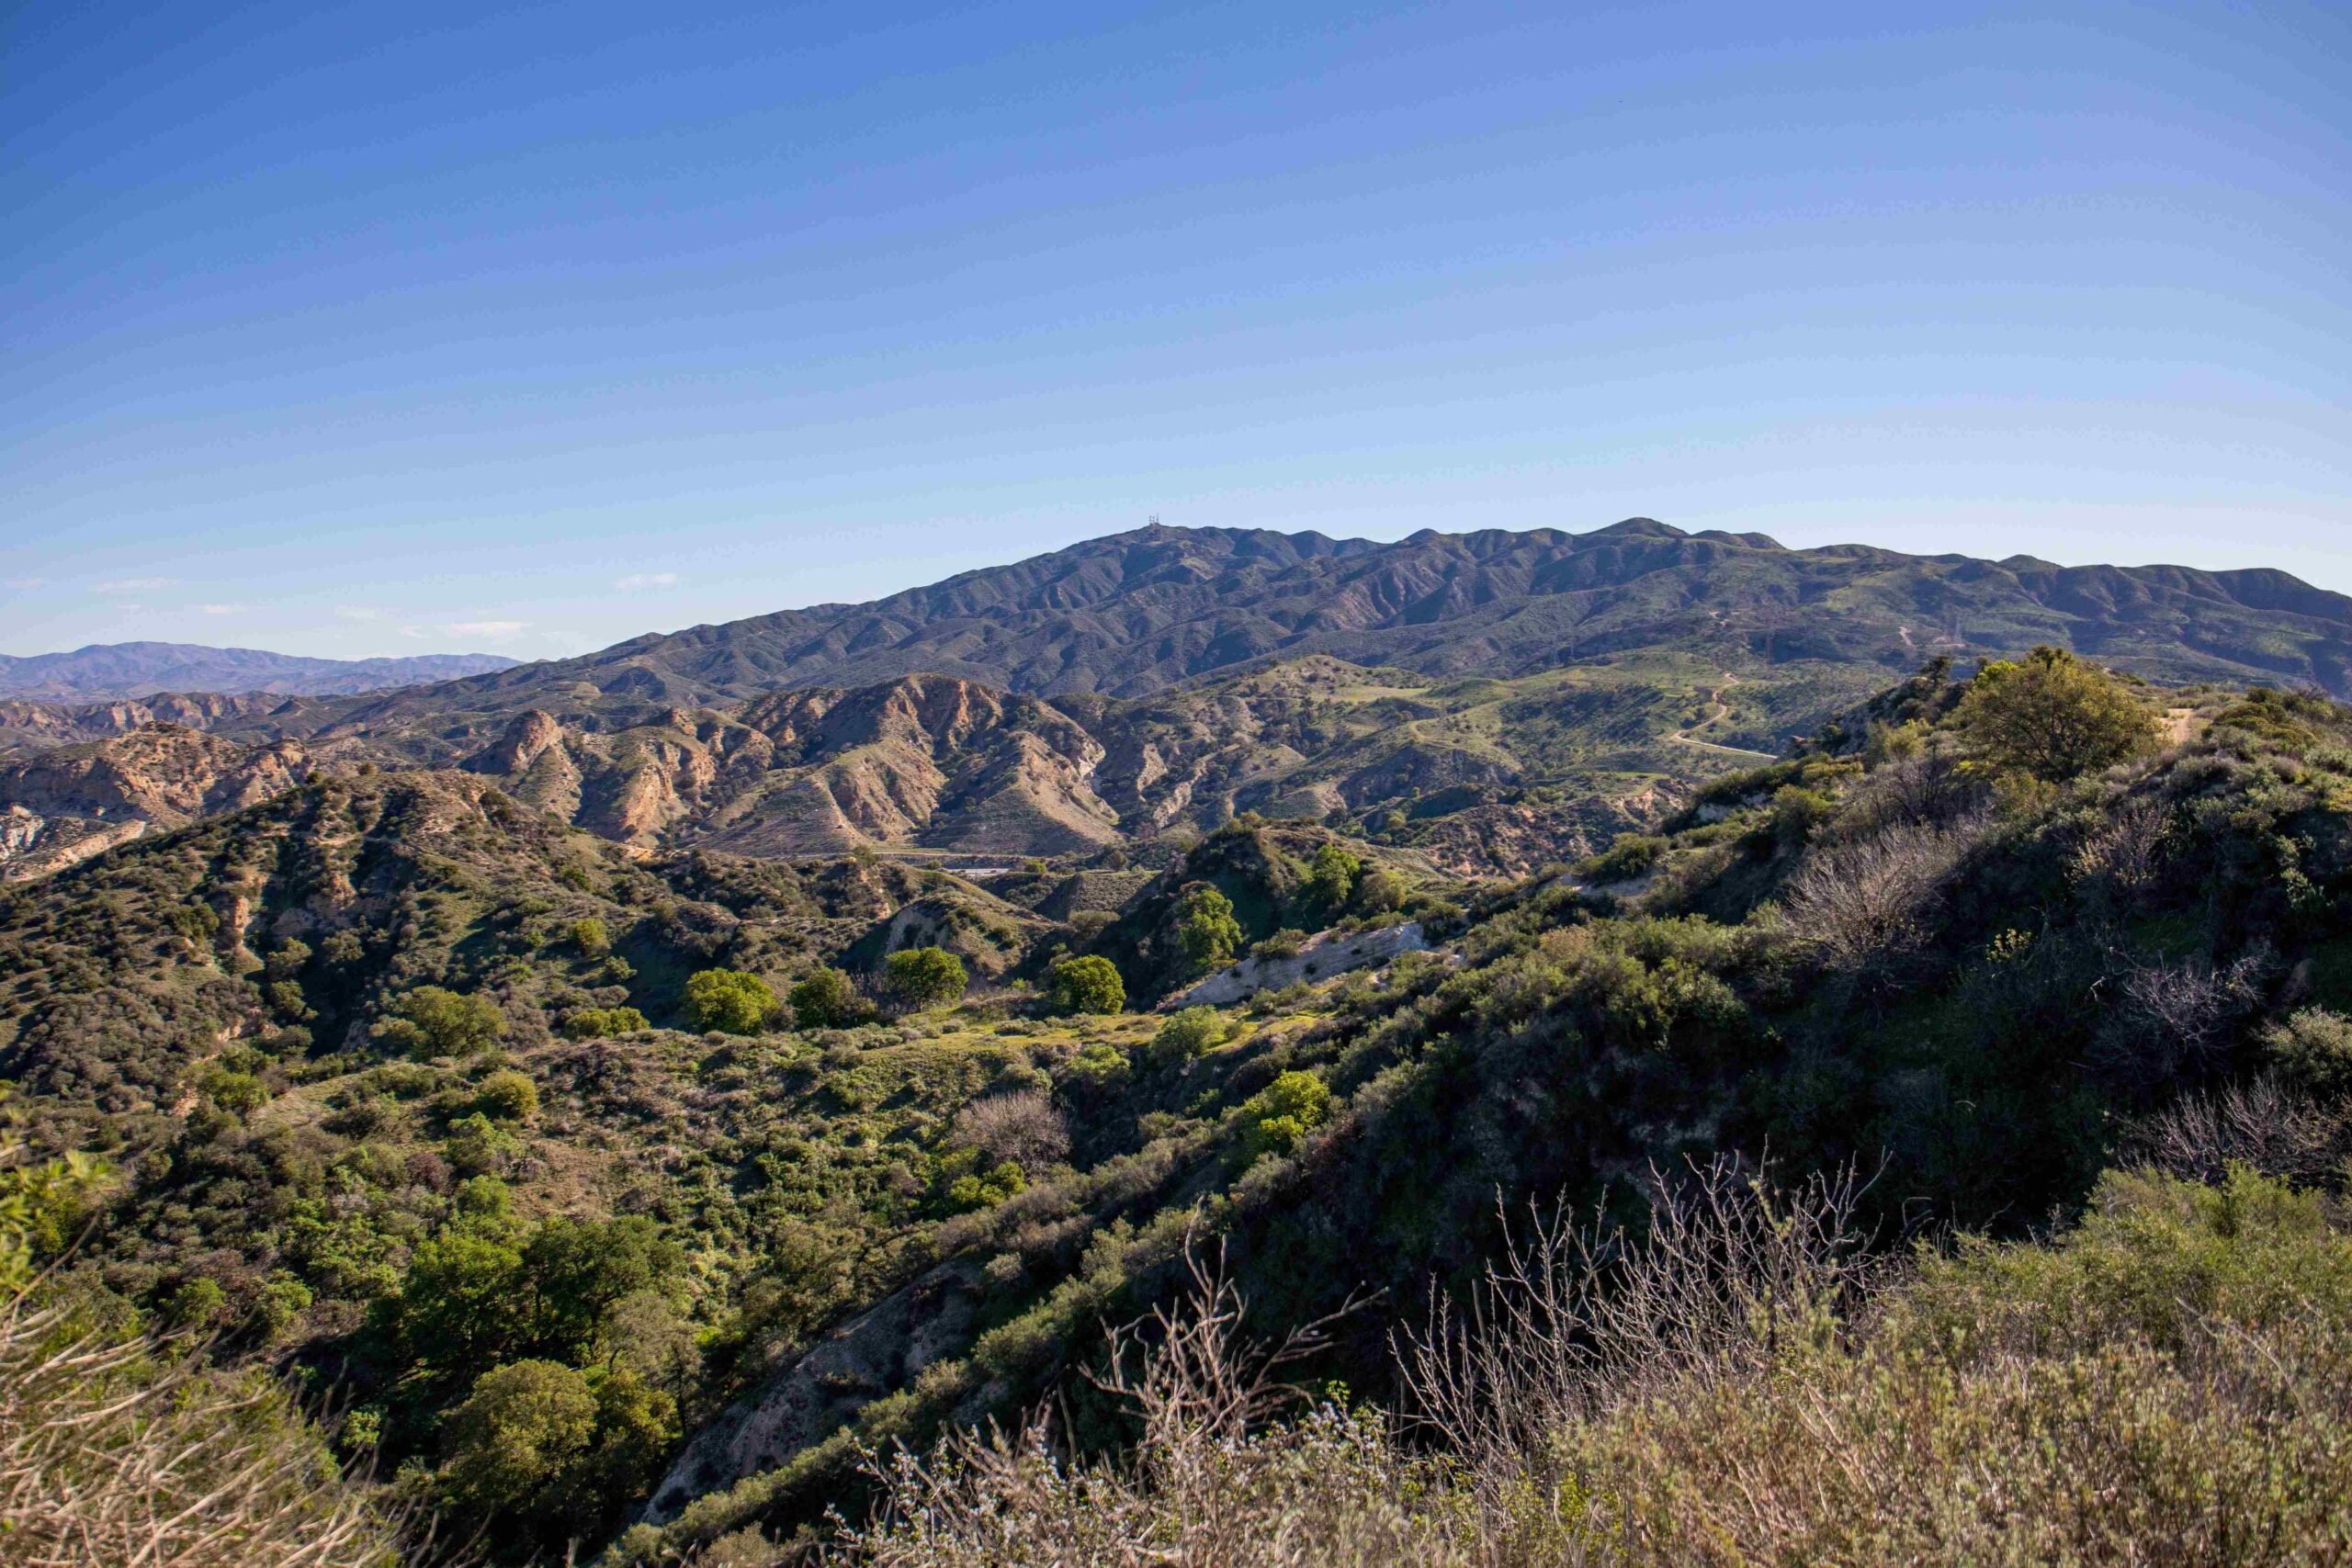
x=1572 y=1317
x=1858 y=901
x=1208 y=1485
x=1931 y=791
x=2263 y=1123
x=1192 y=1373
x=1023 y=1127
x=2125 y=854
x=2174 y=1017
x=106 y=1459
x=1735 y=1389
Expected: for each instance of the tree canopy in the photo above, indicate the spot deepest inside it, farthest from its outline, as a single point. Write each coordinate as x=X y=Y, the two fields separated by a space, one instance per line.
x=2053 y=717
x=1206 y=928
x=1091 y=983
x=924 y=976
x=729 y=1001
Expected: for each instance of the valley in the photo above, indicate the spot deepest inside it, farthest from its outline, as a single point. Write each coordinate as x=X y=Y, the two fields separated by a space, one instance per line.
x=767 y=1075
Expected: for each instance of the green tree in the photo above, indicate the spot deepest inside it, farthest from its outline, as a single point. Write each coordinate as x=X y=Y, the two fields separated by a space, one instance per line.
x=1283 y=1112
x=2053 y=717
x=1333 y=879
x=924 y=976
x=509 y=1096
x=590 y=937
x=730 y=1000
x=577 y=1269
x=464 y=1304
x=1379 y=891
x=1187 y=1034
x=1091 y=983
x=1206 y=928
x=522 y=1433
x=434 y=1022
x=824 y=999
x=635 y=1422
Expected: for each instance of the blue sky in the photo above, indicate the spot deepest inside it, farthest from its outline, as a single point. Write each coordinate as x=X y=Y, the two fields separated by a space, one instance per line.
x=400 y=329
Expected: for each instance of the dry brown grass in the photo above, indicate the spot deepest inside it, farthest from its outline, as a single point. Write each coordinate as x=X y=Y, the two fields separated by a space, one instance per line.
x=112 y=1459
x=1735 y=1390
x=1860 y=901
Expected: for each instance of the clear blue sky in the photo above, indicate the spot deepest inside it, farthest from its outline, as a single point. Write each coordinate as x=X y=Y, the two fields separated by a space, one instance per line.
x=397 y=328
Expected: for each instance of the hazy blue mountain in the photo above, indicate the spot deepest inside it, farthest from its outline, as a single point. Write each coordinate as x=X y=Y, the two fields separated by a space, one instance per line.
x=105 y=670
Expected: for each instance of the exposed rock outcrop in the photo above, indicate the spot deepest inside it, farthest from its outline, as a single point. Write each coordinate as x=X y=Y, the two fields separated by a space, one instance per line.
x=1333 y=953
x=881 y=1350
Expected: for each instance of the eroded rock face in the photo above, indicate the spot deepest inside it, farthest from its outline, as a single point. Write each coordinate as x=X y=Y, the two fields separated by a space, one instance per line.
x=163 y=774
x=73 y=801
x=513 y=752
x=879 y=1352
x=33 y=846
x=926 y=759
x=1333 y=953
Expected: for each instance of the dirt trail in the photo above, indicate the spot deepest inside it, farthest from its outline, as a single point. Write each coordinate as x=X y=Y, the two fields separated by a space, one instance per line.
x=1690 y=737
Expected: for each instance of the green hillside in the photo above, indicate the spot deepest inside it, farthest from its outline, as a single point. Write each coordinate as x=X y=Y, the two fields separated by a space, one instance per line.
x=404 y=1086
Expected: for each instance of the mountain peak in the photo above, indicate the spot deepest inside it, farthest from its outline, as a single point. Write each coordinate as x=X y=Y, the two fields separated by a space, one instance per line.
x=1637 y=528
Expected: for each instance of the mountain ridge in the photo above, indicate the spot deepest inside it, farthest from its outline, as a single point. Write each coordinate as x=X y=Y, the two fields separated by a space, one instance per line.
x=1129 y=614
x=125 y=671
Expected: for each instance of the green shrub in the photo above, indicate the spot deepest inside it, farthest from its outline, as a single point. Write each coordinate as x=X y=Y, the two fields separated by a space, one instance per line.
x=1088 y=985
x=987 y=1188
x=478 y=1146
x=240 y=1092
x=2052 y=716
x=1286 y=1111
x=1205 y=930
x=1288 y=942
x=1101 y=1066
x=730 y=1000
x=1193 y=1032
x=1797 y=812
x=591 y=937
x=1631 y=855
x=824 y=999
x=1379 y=891
x=508 y=1096
x=2314 y=1048
x=919 y=978
x=199 y=1304
x=2155 y=1260
x=434 y=1022
x=602 y=1024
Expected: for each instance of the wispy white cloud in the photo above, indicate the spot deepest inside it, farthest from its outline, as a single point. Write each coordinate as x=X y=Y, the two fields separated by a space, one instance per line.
x=224 y=609
x=488 y=631
x=648 y=579
x=133 y=585
x=359 y=613
x=26 y=582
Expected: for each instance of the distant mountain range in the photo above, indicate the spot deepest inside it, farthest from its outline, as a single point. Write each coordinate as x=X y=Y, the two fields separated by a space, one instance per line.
x=1488 y=702
x=1136 y=613
x=108 y=671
